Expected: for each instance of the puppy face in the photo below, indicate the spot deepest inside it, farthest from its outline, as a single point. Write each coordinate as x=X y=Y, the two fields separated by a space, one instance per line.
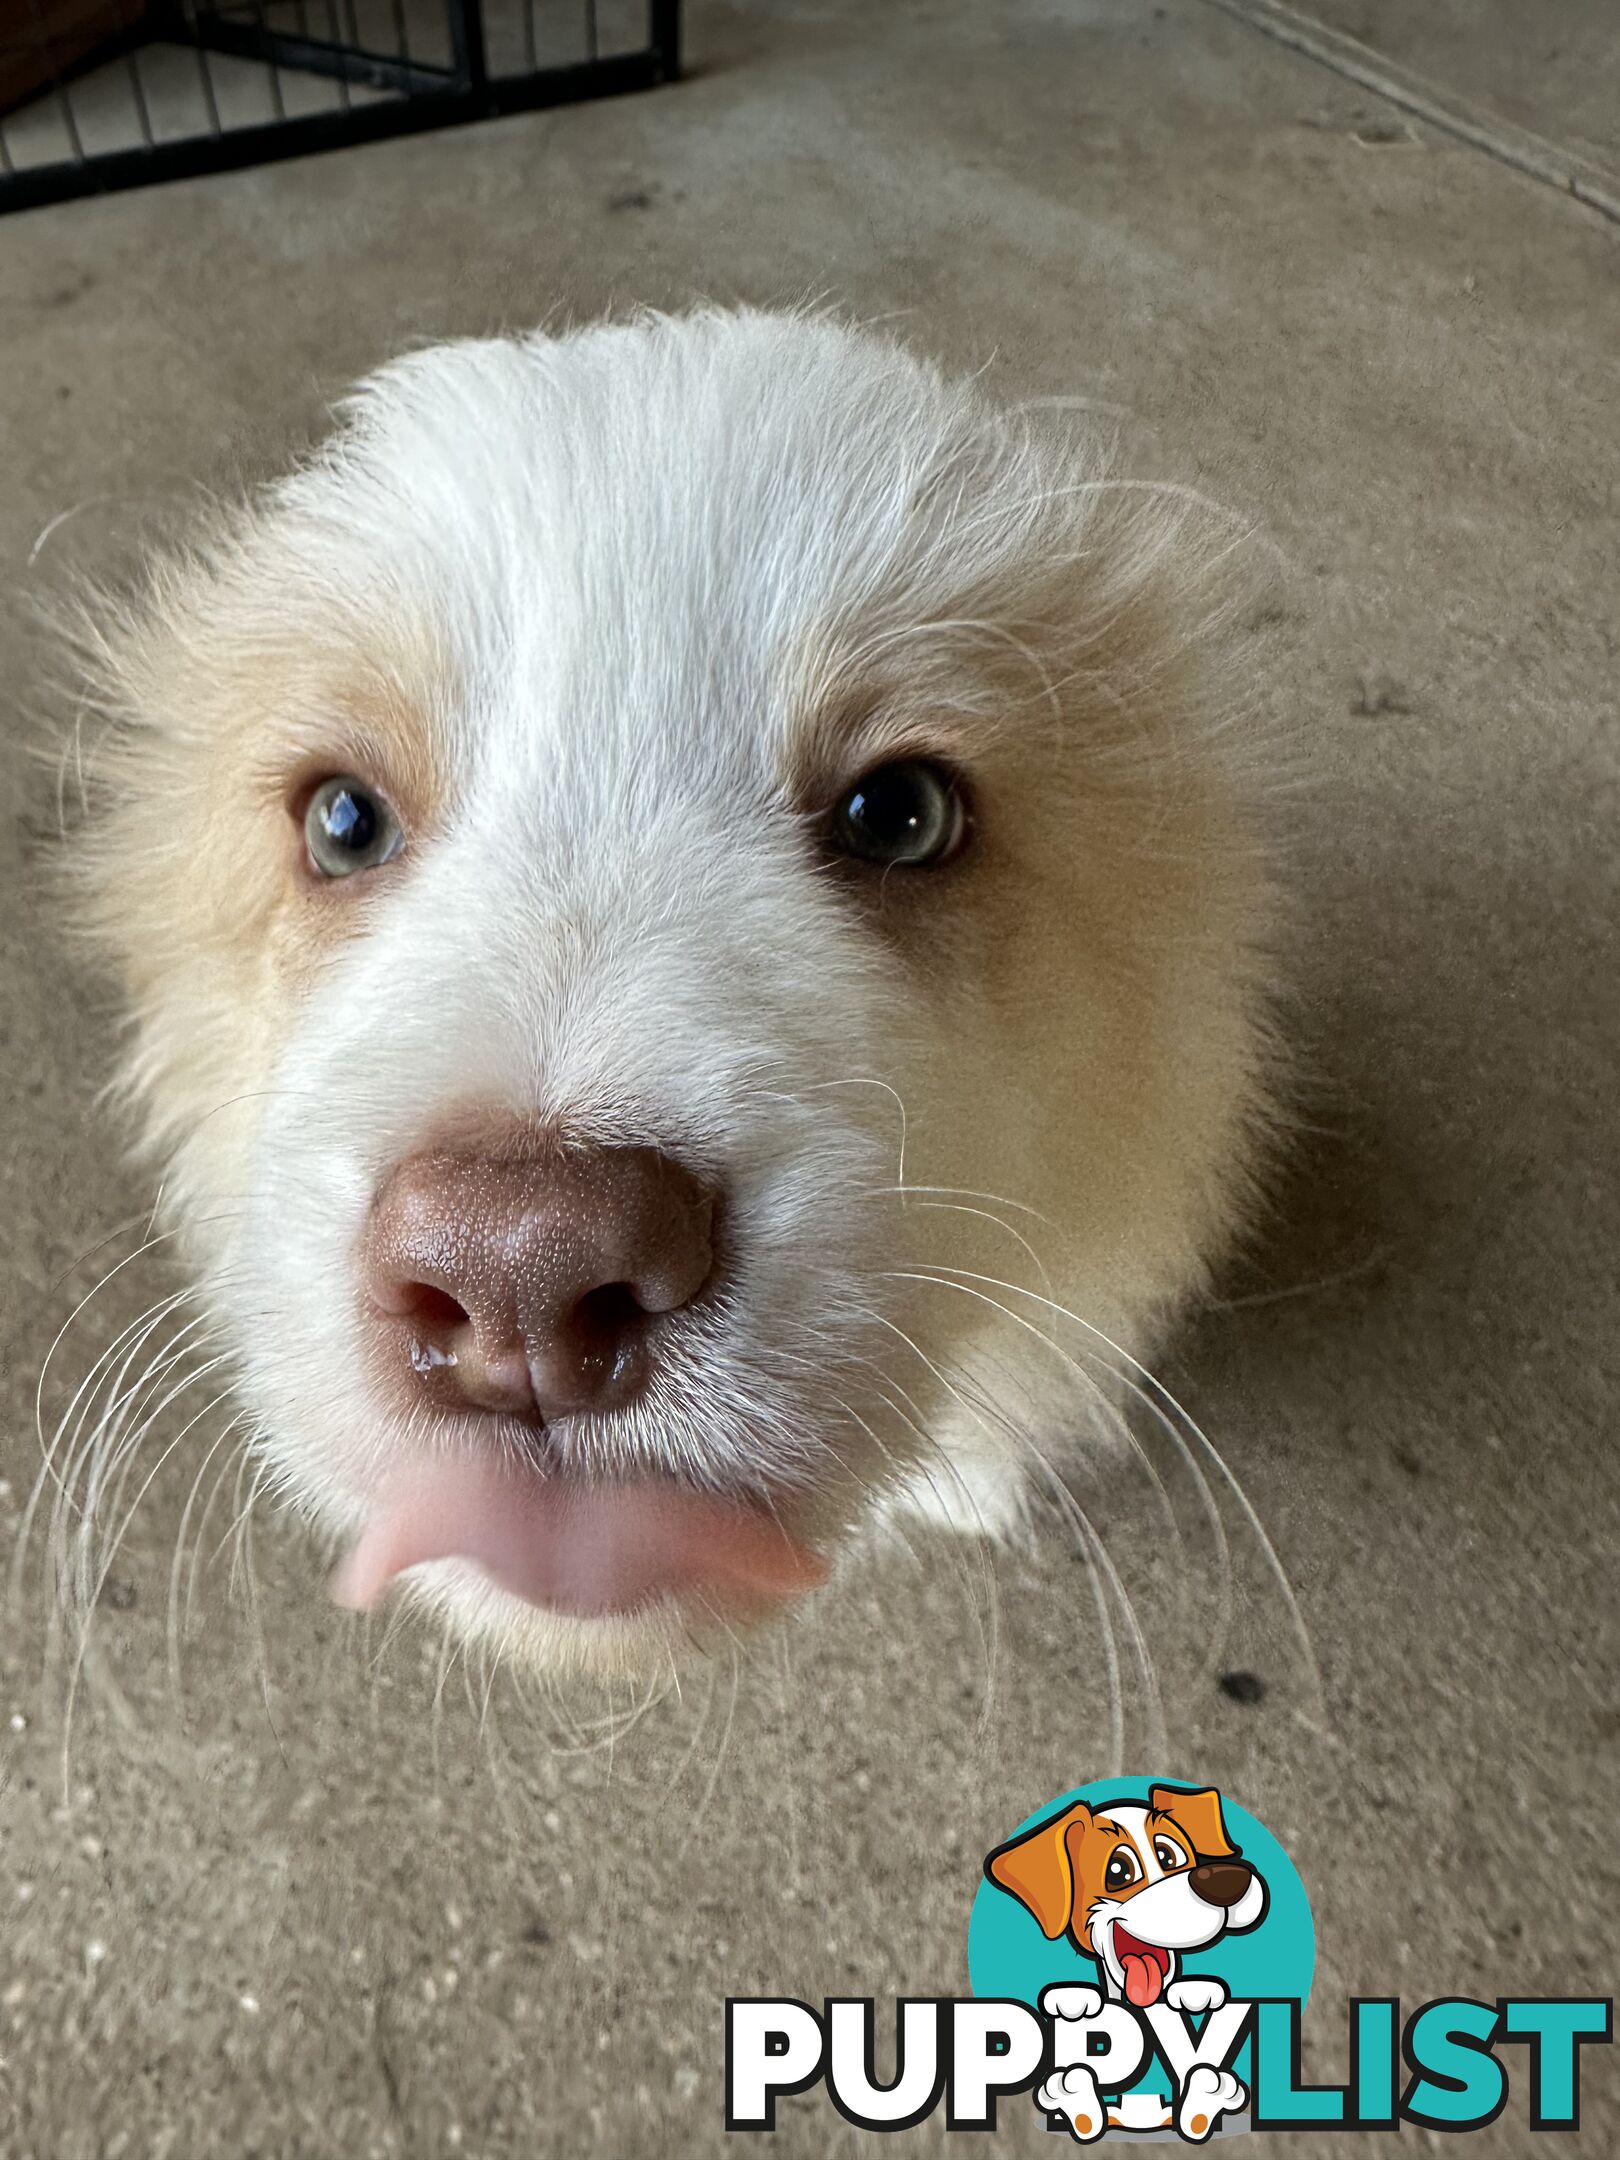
x=1134 y=1887
x=635 y=872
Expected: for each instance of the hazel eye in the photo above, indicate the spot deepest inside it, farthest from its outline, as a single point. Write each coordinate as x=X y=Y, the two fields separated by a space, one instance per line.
x=349 y=827
x=1121 y=1870
x=909 y=814
x=1168 y=1855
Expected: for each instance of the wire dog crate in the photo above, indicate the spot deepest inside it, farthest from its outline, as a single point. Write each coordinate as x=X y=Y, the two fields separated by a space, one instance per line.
x=99 y=94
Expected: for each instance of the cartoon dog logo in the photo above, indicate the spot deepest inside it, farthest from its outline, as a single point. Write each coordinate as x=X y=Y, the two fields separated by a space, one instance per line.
x=1135 y=1888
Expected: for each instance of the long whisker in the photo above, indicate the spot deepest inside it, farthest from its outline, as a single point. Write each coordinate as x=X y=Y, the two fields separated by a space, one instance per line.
x=243 y=1570
x=943 y=1280
x=957 y=1207
x=961 y=1192
x=1120 y=1425
x=91 y=1592
x=1153 y=1391
x=86 y=1389
x=176 y=1566
x=148 y=1246
x=981 y=1594
x=1102 y=1574
x=101 y=1451
x=863 y=1080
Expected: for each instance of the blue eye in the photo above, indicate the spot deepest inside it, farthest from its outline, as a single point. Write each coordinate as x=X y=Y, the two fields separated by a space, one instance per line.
x=909 y=814
x=349 y=827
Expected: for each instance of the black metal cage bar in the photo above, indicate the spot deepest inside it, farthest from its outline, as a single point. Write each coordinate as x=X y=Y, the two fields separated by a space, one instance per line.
x=100 y=94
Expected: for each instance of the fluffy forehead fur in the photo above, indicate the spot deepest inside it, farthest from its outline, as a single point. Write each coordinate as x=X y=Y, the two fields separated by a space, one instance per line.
x=613 y=619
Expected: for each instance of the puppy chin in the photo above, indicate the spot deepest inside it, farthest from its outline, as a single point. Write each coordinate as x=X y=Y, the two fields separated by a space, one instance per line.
x=656 y=1639
x=530 y=1637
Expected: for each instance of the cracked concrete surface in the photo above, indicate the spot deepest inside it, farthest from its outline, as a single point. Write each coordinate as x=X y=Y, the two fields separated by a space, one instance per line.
x=313 y=1895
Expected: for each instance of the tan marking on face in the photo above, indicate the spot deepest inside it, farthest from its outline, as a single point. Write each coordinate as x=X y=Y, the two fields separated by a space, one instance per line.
x=1066 y=945
x=195 y=877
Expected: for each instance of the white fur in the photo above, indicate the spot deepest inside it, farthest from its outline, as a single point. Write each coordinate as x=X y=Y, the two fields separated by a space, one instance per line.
x=634 y=564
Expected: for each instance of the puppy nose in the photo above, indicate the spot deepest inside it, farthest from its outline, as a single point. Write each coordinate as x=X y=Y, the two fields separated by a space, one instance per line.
x=1220 y=1882
x=538 y=1284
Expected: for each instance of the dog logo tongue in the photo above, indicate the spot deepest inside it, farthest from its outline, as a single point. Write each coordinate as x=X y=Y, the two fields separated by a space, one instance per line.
x=1143 y=1979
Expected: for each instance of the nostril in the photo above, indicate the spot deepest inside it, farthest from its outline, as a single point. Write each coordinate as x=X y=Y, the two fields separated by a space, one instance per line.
x=428 y=1306
x=606 y=1315
x=594 y=1352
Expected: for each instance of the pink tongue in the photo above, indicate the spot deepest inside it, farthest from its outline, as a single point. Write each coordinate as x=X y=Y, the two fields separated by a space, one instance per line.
x=579 y=1548
x=1142 y=1979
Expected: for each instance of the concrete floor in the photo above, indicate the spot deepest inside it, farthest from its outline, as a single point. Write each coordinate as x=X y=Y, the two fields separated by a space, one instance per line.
x=1553 y=67
x=290 y=1907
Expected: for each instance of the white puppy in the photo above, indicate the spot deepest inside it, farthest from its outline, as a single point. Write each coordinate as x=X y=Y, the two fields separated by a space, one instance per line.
x=678 y=907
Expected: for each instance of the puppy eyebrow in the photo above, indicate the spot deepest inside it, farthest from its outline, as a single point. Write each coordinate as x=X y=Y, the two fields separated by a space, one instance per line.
x=846 y=730
x=1109 y=1829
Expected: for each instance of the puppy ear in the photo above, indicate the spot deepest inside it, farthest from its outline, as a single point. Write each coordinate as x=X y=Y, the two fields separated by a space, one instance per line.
x=1036 y=1869
x=1199 y=1814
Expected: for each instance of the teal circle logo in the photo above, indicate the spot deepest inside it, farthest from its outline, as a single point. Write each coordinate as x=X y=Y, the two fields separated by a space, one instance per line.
x=1139 y=1900
x=1009 y=1953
